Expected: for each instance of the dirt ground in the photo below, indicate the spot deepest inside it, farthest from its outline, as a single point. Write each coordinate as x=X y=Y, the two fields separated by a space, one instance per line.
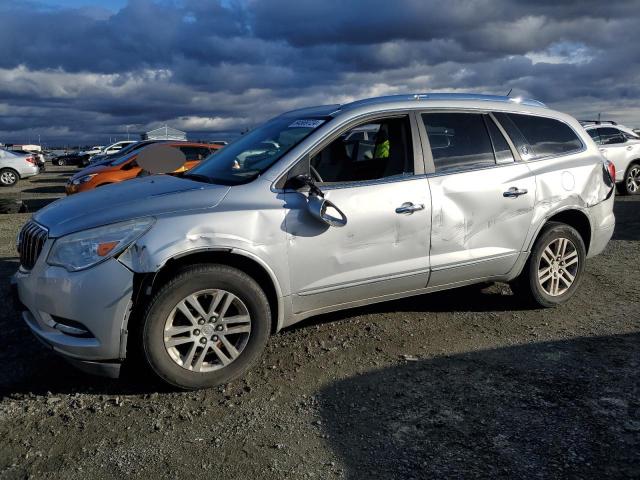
x=461 y=384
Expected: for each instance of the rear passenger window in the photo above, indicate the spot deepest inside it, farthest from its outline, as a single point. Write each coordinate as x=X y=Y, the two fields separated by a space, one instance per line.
x=610 y=136
x=546 y=136
x=459 y=141
x=594 y=134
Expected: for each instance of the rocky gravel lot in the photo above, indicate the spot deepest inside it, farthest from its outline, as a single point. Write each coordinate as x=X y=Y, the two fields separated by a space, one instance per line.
x=461 y=384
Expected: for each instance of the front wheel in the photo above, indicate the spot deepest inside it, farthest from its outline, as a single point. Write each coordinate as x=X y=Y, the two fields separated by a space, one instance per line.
x=206 y=326
x=555 y=266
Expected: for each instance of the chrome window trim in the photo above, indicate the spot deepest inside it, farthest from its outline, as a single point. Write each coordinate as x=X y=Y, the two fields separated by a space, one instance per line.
x=418 y=160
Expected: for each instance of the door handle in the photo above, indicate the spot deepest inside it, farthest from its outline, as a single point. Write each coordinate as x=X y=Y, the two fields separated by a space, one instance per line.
x=514 y=192
x=408 y=208
x=629 y=147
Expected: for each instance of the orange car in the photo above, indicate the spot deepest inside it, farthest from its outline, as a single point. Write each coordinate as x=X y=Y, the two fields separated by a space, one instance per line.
x=125 y=166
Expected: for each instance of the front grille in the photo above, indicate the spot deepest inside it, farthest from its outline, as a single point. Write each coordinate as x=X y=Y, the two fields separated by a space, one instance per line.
x=30 y=242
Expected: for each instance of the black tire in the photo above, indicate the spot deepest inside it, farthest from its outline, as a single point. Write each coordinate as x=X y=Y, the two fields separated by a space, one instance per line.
x=60 y=162
x=527 y=284
x=8 y=177
x=631 y=183
x=188 y=281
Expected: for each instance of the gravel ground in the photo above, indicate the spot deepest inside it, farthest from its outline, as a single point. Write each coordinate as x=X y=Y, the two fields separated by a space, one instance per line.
x=466 y=383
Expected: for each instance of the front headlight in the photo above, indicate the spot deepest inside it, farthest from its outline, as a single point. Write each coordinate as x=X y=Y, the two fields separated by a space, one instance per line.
x=83 y=179
x=82 y=250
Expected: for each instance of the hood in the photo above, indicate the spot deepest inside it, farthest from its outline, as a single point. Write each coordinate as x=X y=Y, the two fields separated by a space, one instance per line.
x=140 y=197
x=87 y=171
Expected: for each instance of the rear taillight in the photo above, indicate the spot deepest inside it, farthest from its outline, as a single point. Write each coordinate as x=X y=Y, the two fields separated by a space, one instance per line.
x=31 y=160
x=611 y=168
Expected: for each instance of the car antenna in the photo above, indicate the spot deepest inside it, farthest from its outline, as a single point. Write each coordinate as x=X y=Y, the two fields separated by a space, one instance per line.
x=510 y=90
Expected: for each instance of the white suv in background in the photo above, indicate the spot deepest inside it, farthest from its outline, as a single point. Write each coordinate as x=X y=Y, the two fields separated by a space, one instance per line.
x=621 y=146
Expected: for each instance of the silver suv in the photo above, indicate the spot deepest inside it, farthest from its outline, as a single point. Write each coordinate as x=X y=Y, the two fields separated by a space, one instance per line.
x=197 y=270
x=621 y=146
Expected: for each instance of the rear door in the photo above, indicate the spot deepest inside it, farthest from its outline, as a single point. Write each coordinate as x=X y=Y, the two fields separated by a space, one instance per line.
x=482 y=196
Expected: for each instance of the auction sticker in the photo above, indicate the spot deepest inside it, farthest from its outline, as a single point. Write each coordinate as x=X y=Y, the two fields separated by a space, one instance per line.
x=306 y=123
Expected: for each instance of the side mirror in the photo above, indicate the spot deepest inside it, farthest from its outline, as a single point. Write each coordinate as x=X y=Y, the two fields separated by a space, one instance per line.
x=319 y=207
x=325 y=211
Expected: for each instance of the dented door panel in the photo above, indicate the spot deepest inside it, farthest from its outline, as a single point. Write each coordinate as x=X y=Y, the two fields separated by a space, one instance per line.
x=477 y=232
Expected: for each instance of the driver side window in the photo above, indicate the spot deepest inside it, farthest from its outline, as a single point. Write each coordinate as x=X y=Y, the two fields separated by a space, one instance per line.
x=370 y=151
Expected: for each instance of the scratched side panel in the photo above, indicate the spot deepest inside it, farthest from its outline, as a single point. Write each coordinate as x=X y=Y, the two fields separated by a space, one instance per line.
x=249 y=220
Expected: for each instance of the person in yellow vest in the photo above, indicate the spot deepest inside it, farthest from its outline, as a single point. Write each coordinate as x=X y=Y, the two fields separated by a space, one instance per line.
x=382 y=144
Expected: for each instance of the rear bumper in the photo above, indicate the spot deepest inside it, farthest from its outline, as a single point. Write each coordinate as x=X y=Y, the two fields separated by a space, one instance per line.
x=29 y=172
x=603 y=224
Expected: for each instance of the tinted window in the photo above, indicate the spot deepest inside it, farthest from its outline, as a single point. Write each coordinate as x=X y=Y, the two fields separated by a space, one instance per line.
x=594 y=134
x=546 y=136
x=195 y=153
x=500 y=146
x=610 y=136
x=458 y=140
x=351 y=158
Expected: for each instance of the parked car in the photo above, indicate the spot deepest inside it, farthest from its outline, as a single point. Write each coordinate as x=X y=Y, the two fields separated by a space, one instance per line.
x=16 y=165
x=125 y=167
x=620 y=145
x=93 y=150
x=76 y=159
x=196 y=271
x=38 y=157
x=116 y=147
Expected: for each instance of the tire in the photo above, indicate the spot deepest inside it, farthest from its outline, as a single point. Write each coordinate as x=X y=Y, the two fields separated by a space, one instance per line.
x=8 y=177
x=631 y=183
x=539 y=292
x=176 y=364
x=60 y=162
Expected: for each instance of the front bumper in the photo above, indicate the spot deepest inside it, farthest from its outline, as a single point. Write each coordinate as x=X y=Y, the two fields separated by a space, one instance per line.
x=97 y=300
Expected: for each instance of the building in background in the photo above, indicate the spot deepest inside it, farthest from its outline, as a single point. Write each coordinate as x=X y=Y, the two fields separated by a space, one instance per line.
x=164 y=133
x=26 y=148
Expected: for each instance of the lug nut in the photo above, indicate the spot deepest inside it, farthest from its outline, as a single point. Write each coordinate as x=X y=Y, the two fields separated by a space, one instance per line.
x=215 y=338
x=219 y=327
x=201 y=322
x=203 y=340
x=196 y=332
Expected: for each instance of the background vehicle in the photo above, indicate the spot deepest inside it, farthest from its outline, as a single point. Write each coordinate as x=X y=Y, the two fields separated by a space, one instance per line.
x=621 y=146
x=77 y=159
x=107 y=153
x=39 y=158
x=197 y=270
x=116 y=147
x=15 y=165
x=93 y=150
x=124 y=167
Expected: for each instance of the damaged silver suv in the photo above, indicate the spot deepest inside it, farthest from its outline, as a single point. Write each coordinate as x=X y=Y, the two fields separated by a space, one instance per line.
x=195 y=271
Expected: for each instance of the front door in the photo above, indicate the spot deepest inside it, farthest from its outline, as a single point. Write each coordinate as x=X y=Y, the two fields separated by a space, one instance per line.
x=482 y=199
x=383 y=248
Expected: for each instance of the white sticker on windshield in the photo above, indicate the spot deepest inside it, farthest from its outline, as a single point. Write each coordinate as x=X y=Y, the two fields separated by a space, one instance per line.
x=306 y=124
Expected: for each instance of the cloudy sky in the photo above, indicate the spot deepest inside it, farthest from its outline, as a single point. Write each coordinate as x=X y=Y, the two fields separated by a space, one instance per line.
x=80 y=71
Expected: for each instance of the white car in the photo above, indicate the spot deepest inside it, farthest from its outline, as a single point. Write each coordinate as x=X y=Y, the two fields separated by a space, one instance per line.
x=14 y=166
x=621 y=146
x=93 y=150
x=116 y=147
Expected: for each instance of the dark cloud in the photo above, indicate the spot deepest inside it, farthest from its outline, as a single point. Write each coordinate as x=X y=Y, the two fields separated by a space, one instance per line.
x=216 y=66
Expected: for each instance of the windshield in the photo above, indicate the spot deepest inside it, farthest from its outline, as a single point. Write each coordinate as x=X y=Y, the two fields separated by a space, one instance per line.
x=253 y=153
x=124 y=154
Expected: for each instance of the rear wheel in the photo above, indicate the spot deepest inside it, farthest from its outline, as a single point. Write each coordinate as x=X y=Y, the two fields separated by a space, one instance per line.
x=8 y=177
x=555 y=266
x=60 y=162
x=631 y=185
x=206 y=326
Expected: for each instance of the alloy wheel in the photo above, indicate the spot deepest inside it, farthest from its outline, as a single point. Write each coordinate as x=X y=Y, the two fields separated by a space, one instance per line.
x=558 y=266
x=633 y=180
x=207 y=330
x=8 y=178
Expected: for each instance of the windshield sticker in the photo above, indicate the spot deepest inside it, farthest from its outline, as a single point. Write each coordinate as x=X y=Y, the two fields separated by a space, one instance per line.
x=306 y=124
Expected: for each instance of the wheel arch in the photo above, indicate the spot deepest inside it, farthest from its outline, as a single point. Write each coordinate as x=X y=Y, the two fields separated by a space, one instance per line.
x=236 y=258
x=573 y=217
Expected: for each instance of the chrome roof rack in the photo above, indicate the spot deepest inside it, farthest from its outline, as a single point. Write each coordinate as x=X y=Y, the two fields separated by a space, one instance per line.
x=598 y=122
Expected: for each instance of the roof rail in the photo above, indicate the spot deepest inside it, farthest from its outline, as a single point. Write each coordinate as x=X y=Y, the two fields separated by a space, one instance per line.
x=444 y=96
x=598 y=122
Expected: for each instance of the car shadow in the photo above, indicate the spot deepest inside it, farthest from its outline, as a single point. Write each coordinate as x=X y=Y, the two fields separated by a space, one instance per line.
x=50 y=180
x=47 y=189
x=627 y=212
x=566 y=409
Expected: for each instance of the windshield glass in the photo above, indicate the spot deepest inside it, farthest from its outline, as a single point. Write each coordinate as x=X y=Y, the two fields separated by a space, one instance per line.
x=253 y=153
x=125 y=154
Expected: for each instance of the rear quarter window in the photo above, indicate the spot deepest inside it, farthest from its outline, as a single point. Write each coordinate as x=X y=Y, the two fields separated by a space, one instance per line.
x=546 y=136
